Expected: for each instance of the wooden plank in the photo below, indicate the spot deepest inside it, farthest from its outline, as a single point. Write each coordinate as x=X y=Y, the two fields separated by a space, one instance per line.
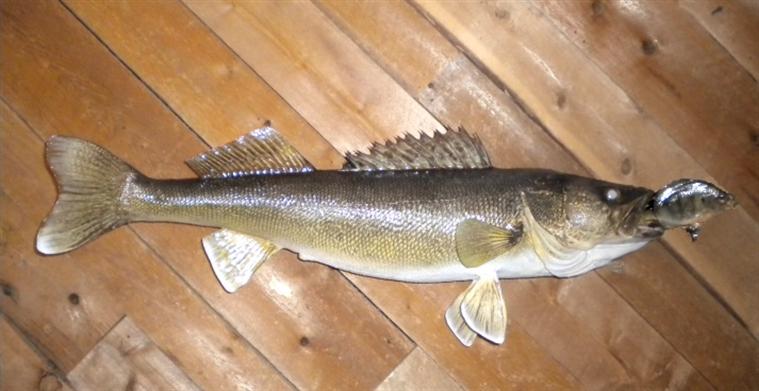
x=126 y=359
x=424 y=323
x=605 y=130
x=20 y=367
x=298 y=74
x=696 y=324
x=680 y=76
x=418 y=372
x=375 y=28
x=56 y=76
x=734 y=24
x=336 y=339
x=446 y=83
x=522 y=363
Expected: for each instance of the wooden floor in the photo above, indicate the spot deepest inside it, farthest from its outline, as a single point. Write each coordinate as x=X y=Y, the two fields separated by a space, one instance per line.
x=640 y=92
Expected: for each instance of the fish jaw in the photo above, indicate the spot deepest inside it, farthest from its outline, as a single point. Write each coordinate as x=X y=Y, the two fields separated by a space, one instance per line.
x=583 y=261
x=638 y=222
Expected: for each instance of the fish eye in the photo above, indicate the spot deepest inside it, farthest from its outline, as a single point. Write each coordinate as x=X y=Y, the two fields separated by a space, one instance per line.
x=612 y=195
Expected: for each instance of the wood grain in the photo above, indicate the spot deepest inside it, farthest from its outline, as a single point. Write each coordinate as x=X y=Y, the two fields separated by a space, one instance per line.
x=84 y=296
x=126 y=359
x=87 y=292
x=418 y=310
x=306 y=335
x=688 y=316
x=20 y=367
x=301 y=70
x=734 y=24
x=446 y=83
x=604 y=129
x=418 y=372
x=679 y=75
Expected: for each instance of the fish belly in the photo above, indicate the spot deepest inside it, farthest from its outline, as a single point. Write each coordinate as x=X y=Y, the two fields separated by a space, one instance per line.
x=523 y=262
x=373 y=251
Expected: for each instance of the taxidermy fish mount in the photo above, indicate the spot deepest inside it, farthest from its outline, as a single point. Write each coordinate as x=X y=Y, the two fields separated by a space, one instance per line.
x=428 y=209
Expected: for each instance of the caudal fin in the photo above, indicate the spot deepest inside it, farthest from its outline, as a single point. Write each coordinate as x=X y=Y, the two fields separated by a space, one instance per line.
x=90 y=181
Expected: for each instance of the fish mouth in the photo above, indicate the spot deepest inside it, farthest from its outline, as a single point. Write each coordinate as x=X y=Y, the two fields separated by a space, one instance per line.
x=638 y=220
x=730 y=202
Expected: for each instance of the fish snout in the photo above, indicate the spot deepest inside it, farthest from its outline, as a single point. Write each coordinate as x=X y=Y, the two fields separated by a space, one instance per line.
x=728 y=201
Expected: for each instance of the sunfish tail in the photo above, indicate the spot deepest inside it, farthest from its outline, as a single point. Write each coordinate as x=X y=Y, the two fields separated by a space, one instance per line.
x=91 y=182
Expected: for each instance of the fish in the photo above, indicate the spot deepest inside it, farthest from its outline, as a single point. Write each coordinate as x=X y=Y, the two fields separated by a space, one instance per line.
x=421 y=209
x=686 y=203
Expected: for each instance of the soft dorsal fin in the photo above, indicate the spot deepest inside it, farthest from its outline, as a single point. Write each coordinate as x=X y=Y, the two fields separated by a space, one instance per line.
x=235 y=257
x=449 y=150
x=478 y=242
x=262 y=151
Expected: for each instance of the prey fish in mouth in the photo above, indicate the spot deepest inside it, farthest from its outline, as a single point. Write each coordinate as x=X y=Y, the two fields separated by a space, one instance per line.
x=428 y=209
x=688 y=202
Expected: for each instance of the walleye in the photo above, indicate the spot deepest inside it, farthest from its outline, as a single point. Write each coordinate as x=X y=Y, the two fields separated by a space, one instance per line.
x=427 y=209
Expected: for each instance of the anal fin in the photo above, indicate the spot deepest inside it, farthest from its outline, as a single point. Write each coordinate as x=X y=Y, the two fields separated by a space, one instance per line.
x=235 y=257
x=483 y=310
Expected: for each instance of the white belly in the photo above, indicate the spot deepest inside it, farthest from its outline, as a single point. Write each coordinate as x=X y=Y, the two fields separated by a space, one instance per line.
x=524 y=263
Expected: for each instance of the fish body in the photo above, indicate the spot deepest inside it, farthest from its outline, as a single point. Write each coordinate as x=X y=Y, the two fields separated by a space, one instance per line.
x=417 y=210
x=398 y=225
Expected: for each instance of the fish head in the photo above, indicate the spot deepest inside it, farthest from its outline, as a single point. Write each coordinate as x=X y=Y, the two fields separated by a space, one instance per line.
x=599 y=212
x=689 y=202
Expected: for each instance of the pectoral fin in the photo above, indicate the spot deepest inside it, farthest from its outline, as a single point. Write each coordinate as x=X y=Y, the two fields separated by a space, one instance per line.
x=478 y=242
x=235 y=256
x=483 y=311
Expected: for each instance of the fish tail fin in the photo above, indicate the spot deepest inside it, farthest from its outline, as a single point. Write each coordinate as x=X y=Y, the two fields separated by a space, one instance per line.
x=91 y=182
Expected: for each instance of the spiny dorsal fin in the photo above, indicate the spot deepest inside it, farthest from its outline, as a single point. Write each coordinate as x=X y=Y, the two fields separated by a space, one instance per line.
x=260 y=152
x=478 y=242
x=235 y=257
x=449 y=150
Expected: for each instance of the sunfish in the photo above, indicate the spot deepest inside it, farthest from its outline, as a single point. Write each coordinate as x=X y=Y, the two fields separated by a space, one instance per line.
x=427 y=209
